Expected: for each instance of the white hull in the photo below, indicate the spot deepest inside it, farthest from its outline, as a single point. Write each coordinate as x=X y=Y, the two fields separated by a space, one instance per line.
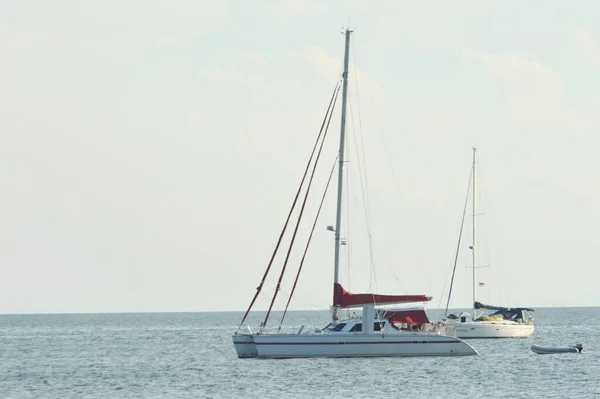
x=540 y=350
x=491 y=329
x=349 y=345
x=244 y=345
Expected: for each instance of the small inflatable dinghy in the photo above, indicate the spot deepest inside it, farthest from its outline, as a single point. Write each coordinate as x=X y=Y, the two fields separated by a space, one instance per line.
x=540 y=350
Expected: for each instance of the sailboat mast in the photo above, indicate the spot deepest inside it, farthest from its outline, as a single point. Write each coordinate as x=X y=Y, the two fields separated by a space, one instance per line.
x=473 y=246
x=338 y=219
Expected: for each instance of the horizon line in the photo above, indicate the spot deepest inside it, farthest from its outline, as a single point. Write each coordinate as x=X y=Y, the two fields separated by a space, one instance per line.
x=236 y=311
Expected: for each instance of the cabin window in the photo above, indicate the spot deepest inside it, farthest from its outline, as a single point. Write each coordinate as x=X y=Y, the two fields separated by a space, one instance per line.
x=357 y=327
x=339 y=327
x=377 y=326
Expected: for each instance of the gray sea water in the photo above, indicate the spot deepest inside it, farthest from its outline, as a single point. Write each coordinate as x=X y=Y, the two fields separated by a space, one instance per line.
x=190 y=355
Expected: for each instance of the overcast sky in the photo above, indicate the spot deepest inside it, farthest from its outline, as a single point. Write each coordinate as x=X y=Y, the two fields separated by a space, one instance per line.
x=150 y=150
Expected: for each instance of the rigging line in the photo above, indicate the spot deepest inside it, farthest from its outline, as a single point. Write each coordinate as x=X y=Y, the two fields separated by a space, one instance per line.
x=349 y=201
x=348 y=241
x=394 y=174
x=308 y=242
x=357 y=163
x=365 y=207
x=360 y=131
x=483 y=229
x=441 y=299
x=262 y=282
x=364 y=188
x=287 y=257
x=458 y=245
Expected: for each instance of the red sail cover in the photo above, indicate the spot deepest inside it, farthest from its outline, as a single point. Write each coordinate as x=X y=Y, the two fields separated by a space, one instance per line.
x=343 y=298
x=412 y=316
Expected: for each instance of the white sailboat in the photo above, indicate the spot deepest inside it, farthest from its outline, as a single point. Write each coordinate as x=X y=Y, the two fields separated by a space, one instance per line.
x=373 y=333
x=487 y=321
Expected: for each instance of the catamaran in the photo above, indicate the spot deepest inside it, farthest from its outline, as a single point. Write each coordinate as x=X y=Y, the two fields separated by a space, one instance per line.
x=486 y=321
x=376 y=331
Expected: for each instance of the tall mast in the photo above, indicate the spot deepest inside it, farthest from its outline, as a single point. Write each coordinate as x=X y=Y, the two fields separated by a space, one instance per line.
x=338 y=219
x=473 y=246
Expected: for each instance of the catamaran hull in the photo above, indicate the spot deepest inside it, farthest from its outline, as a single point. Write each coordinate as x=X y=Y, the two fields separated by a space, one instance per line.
x=338 y=345
x=244 y=346
x=491 y=329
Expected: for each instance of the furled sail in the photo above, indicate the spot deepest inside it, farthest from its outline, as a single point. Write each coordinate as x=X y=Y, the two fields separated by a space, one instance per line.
x=345 y=299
